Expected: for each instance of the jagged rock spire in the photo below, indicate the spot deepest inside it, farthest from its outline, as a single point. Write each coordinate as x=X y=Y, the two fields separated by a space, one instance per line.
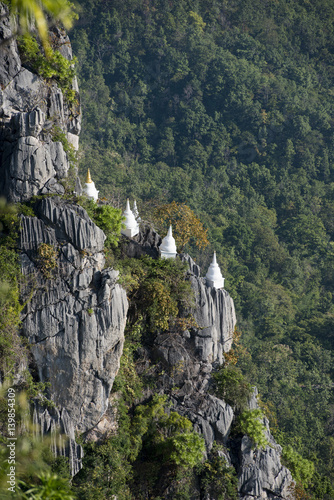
x=90 y=188
x=168 y=246
x=214 y=276
x=131 y=225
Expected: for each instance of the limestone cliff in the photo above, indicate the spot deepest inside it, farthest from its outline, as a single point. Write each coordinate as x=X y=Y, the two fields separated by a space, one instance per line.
x=76 y=312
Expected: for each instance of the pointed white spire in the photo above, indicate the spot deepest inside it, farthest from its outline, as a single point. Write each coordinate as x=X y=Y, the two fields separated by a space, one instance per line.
x=168 y=246
x=131 y=225
x=214 y=276
x=90 y=188
x=135 y=211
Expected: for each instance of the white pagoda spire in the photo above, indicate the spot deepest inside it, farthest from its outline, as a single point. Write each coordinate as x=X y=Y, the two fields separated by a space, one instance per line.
x=214 y=276
x=167 y=248
x=90 y=188
x=131 y=225
x=135 y=211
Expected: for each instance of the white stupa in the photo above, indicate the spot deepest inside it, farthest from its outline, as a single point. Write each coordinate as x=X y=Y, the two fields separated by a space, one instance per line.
x=135 y=211
x=214 y=276
x=90 y=188
x=167 y=248
x=131 y=225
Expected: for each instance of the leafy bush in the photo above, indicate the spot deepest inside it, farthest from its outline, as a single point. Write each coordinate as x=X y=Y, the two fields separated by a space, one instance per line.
x=127 y=380
x=217 y=479
x=12 y=350
x=106 y=217
x=168 y=436
x=302 y=470
x=47 y=259
x=50 y=486
x=231 y=386
x=59 y=136
x=250 y=423
x=156 y=288
x=54 y=66
x=185 y=449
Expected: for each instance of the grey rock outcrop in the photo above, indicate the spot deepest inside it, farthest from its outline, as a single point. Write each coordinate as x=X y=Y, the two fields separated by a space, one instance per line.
x=262 y=476
x=31 y=109
x=184 y=361
x=58 y=425
x=260 y=472
x=215 y=316
x=146 y=242
x=76 y=314
x=186 y=379
x=183 y=365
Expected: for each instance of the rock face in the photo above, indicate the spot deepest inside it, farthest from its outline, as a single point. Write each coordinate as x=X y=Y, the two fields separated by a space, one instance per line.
x=261 y=474
x=216 y=319
x=146 y=242
x=31 y=111
x=76 y=314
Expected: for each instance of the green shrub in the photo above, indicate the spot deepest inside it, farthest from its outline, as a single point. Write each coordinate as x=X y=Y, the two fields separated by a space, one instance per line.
x=110 y=220
x=185 y=449
x=47 y=259
x=127 y=380
x=231 y=386
x=12 y=350
x=59 y=136
x=55 y=66
x=250 y=424
x=302 y=470
x=168 y=436
x=50 y=486
x=157 y=287
x=217 y=479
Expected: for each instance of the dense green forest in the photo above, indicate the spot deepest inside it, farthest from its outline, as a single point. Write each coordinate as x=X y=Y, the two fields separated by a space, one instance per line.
x=228 y=106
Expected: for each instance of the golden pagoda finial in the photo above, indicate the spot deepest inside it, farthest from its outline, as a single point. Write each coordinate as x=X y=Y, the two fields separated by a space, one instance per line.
x=88 y=178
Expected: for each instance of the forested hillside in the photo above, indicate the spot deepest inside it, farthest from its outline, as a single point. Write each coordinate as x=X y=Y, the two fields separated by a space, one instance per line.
x=228 y=106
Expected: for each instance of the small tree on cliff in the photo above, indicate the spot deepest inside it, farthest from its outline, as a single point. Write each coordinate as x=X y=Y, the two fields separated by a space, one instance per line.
x=36 y=12
x=186 y=226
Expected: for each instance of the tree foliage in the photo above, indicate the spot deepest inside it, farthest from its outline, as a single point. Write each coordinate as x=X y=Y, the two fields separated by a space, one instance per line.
x=251 y=424
x=108 y=218
x=168 y=435
x=157 y=290
x=32 y=12
x=186 y=226
x=231 y=386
